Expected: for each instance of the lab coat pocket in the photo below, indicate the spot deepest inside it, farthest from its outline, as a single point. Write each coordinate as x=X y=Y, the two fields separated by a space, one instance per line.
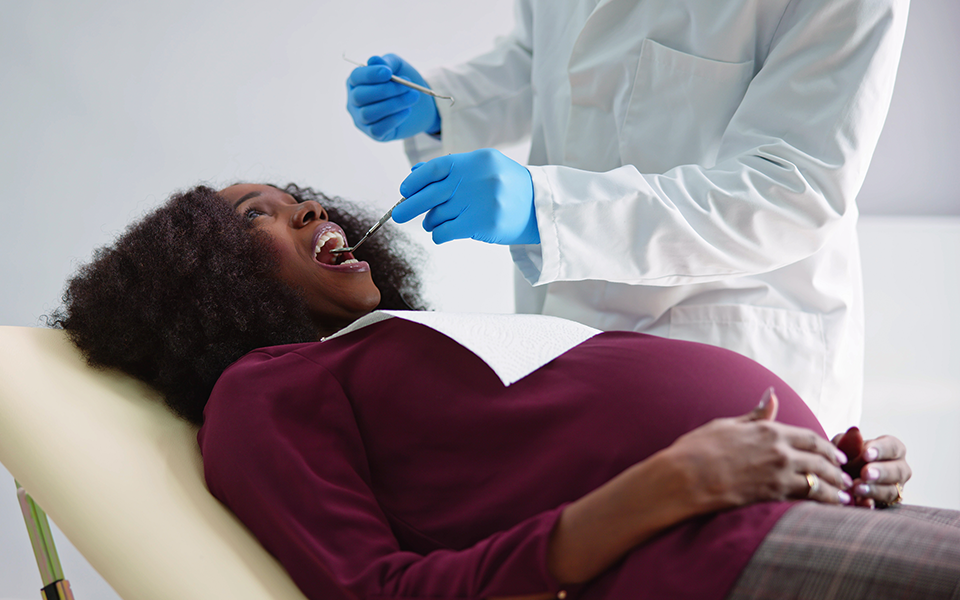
x=790 y=343
x=679 y=108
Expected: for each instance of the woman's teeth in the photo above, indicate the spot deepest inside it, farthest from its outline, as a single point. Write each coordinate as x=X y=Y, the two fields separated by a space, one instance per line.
x=338 y=242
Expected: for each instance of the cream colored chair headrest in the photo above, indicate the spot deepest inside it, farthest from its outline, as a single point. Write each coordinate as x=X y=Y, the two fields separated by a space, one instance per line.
x=122 y=477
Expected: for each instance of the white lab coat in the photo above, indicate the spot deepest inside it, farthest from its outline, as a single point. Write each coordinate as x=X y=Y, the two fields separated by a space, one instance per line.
x=695 y=168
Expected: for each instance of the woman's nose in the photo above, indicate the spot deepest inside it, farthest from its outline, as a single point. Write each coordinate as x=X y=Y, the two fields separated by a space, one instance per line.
x=308 y=212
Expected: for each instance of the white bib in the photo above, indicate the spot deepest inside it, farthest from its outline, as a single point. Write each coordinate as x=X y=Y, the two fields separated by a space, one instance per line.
x=512 y=345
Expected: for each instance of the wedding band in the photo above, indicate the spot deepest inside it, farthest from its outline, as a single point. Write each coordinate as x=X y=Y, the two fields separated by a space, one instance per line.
x=813 y=484
x=896 y=500
x=899 y=497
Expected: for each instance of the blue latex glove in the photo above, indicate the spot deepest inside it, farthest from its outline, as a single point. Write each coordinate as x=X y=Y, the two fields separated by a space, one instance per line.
x=481 y=195
x=385 y=110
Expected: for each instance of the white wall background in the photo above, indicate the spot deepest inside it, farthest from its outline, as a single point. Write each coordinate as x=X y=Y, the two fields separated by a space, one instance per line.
x=108 y=106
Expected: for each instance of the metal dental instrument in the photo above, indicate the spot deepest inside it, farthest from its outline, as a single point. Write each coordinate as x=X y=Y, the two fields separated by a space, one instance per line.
x=375 y=227
x=409 y=84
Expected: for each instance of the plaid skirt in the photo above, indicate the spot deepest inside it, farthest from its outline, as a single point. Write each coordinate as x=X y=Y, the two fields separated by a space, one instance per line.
x=822 y=552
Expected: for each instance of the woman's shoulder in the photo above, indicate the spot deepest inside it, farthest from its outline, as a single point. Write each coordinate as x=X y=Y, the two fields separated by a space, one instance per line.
x=266 y=354
x=268 y=388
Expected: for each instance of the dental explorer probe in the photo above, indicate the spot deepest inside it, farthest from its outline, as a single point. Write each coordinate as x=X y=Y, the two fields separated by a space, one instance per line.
x=409 y=84
x=375 y=227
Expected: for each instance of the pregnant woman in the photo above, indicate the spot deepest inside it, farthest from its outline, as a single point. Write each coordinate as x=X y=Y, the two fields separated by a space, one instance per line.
x=388 y=455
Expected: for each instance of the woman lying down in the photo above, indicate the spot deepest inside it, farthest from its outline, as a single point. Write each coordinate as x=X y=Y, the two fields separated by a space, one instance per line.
x=391 y=461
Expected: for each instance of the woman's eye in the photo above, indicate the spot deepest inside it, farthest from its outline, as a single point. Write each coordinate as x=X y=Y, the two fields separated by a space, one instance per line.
x=251 y=213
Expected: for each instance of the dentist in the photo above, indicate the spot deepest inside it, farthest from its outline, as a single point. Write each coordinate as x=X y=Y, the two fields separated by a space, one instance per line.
x=693 y=168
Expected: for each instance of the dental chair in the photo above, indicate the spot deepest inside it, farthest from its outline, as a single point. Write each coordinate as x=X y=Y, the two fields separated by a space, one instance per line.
x=122 y=477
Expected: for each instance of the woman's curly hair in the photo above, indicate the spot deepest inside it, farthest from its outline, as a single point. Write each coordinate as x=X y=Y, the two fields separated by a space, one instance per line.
x=192 y=287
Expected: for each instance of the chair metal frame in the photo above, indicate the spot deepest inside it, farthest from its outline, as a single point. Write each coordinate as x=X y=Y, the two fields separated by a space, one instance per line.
x=55 y=587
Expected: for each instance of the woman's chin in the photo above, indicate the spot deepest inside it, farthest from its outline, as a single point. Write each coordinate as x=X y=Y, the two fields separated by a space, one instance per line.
x=330 y=321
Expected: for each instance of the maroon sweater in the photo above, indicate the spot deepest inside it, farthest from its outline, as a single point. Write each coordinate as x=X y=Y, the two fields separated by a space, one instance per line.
x=392 y=462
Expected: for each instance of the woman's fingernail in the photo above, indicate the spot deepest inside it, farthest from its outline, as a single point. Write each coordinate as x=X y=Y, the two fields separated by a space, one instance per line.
x=765 y=399
x=862 y=489
x=846 y=479
x=844 y=497
x=872 y=454
x=872 y=474
x=841 y=457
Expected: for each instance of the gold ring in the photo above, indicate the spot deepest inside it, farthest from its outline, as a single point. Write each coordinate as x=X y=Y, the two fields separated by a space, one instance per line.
x=899 y=497
x=896 y=500
x=813 y=484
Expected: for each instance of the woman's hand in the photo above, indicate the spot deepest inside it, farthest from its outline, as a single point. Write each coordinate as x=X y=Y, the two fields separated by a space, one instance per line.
x=736 y=461
x=878 y=467
x=723 y=464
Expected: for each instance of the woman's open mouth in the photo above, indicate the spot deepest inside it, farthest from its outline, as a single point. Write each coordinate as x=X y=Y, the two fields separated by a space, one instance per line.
x=331 y=238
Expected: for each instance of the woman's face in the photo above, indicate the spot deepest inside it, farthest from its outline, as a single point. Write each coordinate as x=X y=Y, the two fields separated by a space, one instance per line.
x=337 y=290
